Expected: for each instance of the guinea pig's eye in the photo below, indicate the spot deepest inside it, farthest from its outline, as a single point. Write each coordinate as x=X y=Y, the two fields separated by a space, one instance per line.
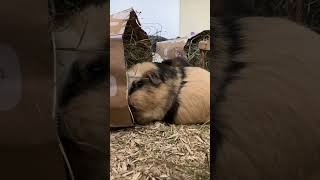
x=139 y=84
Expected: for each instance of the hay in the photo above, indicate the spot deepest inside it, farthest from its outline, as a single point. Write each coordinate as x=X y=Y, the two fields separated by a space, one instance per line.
x=193 y=52
x=160 y=151
x=137 y=46
x=137 y=51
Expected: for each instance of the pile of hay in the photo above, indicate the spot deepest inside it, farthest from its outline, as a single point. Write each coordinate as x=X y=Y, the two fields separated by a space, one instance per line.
x=137 y=51
x=160 y=151
x=192 y=49
x=137 y=46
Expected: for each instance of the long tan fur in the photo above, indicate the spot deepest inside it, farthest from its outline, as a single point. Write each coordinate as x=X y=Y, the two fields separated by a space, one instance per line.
x=152 y=103
x=194 y=97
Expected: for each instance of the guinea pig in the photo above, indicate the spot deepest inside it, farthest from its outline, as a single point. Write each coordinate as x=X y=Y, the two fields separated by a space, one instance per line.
x=82 y=116
x=265 y=99
x=82 y=101
x=173 y=94
x=176 y=62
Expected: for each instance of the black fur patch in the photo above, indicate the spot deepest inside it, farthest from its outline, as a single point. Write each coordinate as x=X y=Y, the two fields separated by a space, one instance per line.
x=176 y=62
x=183 y=73
x=132 y=89
x=230 y=33
x=227 y=30
x=136 y=86
x=172 y=112
x=166 y=72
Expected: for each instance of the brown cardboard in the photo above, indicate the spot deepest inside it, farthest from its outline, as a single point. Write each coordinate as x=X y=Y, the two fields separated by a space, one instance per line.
x=121 y=23
x=28 y=141
x=119 y=110
x=171 y=48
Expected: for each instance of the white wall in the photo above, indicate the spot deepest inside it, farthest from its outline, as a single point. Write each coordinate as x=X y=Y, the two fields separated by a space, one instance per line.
x=164 y=12
x=194 y=17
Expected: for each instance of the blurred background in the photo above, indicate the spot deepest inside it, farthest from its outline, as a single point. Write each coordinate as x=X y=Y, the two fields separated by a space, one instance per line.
x=168 y=18
x=302 y=11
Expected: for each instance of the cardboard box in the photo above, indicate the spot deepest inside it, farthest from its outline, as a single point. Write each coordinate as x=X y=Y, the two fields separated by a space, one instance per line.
x=122 y=24
x=196 y=49
x=171 y=48
x=120 y=115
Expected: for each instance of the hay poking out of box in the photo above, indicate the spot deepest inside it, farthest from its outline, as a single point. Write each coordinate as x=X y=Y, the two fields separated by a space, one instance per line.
x=137 y=46
x=136 y=51
x=158 y=151
x=192 y=49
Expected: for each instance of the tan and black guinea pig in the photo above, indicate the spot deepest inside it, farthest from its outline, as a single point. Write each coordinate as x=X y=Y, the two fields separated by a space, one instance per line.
x=170 y=91
x=176 y=62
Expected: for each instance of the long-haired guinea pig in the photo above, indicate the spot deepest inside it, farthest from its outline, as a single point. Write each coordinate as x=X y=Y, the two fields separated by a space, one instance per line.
x=81 y=116
x=176 y=62
x=174 y=94
x=82 y=100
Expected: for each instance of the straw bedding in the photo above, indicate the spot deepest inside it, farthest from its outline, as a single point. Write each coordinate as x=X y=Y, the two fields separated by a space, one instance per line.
x=160 y=151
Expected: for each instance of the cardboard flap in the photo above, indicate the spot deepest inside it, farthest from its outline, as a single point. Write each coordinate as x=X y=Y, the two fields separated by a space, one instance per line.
x=118 y=22
x=119 y=111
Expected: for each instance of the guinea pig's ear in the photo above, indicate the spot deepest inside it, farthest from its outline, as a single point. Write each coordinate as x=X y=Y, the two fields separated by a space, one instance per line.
x=167 y=62
x=154 y=78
